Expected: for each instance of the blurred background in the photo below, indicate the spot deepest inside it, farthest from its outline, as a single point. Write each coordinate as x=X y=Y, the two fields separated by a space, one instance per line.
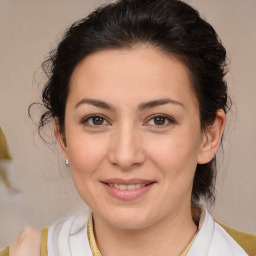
x=36 y=187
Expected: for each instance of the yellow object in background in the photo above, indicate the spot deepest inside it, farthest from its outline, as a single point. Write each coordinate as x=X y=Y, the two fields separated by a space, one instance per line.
x=4 y=155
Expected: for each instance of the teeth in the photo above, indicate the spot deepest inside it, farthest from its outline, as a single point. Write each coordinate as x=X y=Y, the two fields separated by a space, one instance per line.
x=127 y=187
x=138 y=186
x=131 y=187
x=122 y=187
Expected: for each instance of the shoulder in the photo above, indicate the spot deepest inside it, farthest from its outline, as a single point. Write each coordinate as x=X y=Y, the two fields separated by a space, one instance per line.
x=28 y=242
x=212 y=239
x=246 y=240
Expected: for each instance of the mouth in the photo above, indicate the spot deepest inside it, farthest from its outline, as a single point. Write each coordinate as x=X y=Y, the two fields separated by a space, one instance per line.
x=127 y=189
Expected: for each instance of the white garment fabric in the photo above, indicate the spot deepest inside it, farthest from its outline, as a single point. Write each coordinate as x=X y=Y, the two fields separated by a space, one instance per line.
x=68 y=237
x=213 y=240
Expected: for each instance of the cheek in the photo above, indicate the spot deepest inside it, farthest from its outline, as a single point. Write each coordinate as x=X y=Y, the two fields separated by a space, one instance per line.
x=86 y=154
x=176 y=155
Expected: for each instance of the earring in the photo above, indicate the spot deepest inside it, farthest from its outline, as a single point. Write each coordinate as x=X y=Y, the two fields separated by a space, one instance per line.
x=67 y=162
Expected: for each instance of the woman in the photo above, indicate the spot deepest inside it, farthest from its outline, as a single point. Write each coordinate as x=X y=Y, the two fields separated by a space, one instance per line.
x=137 y=94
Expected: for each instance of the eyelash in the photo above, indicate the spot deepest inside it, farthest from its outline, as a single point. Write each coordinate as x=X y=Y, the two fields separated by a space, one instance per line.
x=86 y=119
x=169 y=119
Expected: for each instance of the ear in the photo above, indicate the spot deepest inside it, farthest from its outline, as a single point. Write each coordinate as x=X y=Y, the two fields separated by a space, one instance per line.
x=212 y=138
x=60 y=137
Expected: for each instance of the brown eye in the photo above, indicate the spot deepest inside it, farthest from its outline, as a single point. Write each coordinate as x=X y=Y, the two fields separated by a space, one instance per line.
x=159 y=120
x=98 y=120
x=95 y=120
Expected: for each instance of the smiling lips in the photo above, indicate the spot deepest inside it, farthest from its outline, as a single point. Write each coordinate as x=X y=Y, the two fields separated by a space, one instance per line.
x=127 y=189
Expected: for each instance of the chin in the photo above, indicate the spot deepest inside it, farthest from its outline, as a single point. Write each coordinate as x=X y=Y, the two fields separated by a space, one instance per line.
x=129 y=218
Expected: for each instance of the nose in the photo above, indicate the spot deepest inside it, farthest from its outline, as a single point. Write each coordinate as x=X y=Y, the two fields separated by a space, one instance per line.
x=126 y=149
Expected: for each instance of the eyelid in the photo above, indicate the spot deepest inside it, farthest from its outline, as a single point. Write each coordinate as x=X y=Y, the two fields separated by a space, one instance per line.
x=170 y=119
x=85 y=119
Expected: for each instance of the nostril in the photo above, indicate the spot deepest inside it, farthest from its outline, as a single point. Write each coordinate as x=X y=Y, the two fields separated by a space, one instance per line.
x=126 y=160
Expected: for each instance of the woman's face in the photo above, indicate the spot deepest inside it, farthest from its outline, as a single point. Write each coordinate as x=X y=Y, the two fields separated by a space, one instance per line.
x=133 y=135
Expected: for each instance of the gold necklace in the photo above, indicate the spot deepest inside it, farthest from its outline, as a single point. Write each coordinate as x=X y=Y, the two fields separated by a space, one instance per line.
x=94 y=248
x=90 y=233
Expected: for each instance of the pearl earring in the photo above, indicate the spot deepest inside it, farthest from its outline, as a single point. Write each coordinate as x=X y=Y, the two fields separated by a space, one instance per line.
x=67 y=162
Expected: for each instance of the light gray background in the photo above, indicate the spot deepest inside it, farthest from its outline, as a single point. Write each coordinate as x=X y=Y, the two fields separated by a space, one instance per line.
x=43 y=188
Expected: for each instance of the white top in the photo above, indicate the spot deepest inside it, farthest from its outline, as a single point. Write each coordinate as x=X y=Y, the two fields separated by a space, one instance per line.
x=68 y=237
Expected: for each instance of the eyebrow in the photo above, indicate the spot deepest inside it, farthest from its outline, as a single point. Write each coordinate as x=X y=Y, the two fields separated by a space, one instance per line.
x=155 y=103
x=94 y=102
x=141 y=107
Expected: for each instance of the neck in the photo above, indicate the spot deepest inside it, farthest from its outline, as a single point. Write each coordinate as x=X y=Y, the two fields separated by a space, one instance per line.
x=169 y=236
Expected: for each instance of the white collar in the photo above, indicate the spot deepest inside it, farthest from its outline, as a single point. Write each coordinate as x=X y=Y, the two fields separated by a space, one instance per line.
x=213 y=240
x=68 y=237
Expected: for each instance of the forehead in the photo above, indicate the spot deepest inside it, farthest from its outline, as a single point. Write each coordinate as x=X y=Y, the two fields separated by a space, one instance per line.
x=137 y=72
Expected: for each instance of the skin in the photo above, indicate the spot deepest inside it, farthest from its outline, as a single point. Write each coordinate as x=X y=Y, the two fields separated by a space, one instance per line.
x=28 y=242
x=128 y=142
